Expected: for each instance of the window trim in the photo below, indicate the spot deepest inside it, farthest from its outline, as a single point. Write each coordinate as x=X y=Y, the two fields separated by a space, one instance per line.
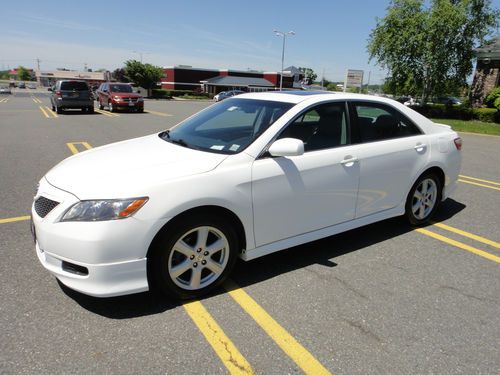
x=352 y=105
x=265 y=151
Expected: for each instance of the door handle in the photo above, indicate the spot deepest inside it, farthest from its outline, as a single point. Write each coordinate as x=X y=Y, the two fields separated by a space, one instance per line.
x=420 y=146
x=349 y=160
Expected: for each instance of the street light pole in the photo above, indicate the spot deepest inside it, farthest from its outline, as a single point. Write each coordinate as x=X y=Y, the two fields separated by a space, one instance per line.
x=283 y=34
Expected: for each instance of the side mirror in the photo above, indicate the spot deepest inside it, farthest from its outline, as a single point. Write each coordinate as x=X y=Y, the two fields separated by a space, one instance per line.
x=287 y=147
x=49 y=89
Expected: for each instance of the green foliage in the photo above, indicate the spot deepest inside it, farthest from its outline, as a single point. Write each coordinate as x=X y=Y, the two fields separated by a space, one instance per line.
x=472 y=126
x=486 y=114
x=144 y=75
x=120 y=75
x=23 y=74
x=496 y=103
x=491 y=98
x=429 y=50
x=309 y=74
x=4 y=74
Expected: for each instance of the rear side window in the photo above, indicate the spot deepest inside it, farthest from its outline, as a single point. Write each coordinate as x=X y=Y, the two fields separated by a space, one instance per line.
x=377 y=122
x=74 y=86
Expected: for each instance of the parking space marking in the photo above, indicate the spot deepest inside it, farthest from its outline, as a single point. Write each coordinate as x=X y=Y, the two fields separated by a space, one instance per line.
x=4 y=100
x=109 y=114
x=478 y=184
x=221 y=344
x=14 y=219
x=479 y=179
x=36 y=100
x=305 y=360
x=158 y=113
x=468 y=235
x=458 y=244
x=43 y=111
x=74 y=150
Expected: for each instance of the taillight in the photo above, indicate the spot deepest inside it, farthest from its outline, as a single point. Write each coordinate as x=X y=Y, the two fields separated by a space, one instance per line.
x=458 y=143
x=58 y=93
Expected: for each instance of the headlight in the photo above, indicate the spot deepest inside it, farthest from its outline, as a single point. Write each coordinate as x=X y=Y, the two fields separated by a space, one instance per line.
x=140 y=99
x=100 y=210
x=118 y=98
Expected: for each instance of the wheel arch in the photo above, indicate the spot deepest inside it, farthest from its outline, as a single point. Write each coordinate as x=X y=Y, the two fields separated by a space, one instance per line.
x=438 y=171
x=208 y=209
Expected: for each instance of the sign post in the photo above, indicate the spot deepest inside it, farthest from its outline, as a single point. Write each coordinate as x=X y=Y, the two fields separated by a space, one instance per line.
x=353 y=78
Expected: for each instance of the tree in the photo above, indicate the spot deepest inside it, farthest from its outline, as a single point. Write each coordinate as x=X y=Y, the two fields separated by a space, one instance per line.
x=23 y=74
x=429 y=50
x=309 y=75
x=120 y=75
x=145 y=75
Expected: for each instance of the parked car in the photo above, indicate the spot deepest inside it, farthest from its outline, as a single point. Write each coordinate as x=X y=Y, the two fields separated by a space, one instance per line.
x=246 y=177
x=227 y=94
x=71 y=94
x=5 y=90
x=31 y=86
x=119 y=96
x=21 y=85
x=449 y=100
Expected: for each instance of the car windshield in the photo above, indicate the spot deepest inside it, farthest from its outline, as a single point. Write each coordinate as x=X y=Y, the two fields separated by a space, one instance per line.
x=74 y=85
x=121 y=88
x=228 y=127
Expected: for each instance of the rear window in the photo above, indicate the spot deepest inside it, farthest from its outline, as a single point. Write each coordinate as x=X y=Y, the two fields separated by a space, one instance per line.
x=74 y=86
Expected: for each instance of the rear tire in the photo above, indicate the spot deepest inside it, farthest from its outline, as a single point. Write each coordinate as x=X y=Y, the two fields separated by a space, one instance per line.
x=423 y=199
x=110 y=107
x=91 y=110
x=192 y=257
x=59 y=110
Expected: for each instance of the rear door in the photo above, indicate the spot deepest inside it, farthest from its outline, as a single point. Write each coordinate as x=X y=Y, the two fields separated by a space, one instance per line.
x=392 y=150
x=75 y=90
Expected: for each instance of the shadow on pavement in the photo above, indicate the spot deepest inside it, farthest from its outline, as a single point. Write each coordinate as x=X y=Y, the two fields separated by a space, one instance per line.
x=248 y=273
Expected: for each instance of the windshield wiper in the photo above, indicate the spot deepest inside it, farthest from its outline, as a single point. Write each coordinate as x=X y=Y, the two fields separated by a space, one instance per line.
x=179 y=142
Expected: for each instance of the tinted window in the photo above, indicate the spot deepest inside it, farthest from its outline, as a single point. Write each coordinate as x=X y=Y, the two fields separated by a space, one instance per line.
x=121 y=88
x=74 y=86
x=323 y=126
x=228 y=127
x=378 y=122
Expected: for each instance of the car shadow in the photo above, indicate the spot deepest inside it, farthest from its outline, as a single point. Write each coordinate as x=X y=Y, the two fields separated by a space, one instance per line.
x=247 y=273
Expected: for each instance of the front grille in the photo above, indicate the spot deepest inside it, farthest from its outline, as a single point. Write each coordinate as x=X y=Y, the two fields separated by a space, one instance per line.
x=127 y=100
x=44 y=205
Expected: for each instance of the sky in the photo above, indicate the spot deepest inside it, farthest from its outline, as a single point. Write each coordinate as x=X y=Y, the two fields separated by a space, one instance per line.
x=330 y=35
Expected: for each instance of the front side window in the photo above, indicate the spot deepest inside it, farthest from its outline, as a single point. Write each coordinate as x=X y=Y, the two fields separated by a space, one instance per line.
x=228 y=127
x=378 y=122
x=321 y=127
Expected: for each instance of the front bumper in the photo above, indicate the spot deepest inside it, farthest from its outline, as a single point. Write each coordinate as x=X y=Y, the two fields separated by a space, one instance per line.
x=112 y=254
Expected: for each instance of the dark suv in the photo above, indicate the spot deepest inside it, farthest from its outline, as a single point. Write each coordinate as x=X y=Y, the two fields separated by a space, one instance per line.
x=71 y=95
x=119 y=96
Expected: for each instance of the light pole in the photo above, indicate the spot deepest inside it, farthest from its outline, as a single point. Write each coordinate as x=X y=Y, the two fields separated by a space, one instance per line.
x=283 y=34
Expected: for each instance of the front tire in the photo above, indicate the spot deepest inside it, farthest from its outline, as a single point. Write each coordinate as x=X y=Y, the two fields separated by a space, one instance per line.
x=192 y=257
x=101 y=107
x=423 y=200
x=110 y=106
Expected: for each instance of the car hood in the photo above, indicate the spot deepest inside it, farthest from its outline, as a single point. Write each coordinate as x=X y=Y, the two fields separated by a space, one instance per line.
x=126 y=169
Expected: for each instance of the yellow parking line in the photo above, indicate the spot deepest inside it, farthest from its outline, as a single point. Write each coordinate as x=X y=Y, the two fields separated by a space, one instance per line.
x=13 y=219
x=477 y=184
x=285 y=341
x=221 y=344
x=43 y=111
x=109 y=114
x=159 y=113
x=51 y=112
x=4 y=100
x=74 y=150
x=460 y=245
x=478 y=179
x=468 y=235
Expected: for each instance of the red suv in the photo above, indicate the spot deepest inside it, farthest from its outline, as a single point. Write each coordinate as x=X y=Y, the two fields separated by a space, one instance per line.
x=119 y=96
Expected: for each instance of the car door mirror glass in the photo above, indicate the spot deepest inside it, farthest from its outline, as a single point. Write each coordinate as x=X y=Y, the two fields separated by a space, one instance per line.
x=287 y=147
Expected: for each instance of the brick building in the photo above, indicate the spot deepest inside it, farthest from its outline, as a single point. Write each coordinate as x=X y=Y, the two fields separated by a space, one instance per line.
x=487 y=75
x=213 y=81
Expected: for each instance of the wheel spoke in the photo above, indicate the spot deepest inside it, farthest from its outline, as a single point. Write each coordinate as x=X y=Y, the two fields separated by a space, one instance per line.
x=183 y=248
x=195 y=278
x=421 y=211
x=216 y=246
x=202 y=238
x=178 y=270
x=425 y=186
x=214 y=267
x=418 y=195
x=416 y=207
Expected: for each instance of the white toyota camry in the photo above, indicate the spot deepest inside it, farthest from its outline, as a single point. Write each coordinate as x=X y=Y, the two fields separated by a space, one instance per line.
x=246 y=177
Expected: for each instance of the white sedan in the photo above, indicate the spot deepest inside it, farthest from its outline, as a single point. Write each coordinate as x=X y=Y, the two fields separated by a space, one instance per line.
x=246 y=177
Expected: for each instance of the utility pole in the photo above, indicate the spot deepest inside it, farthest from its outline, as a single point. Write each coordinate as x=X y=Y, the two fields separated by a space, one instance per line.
x=39 y=75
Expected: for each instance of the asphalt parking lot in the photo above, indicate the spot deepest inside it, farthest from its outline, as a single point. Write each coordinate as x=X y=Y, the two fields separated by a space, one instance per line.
x=382 y=299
